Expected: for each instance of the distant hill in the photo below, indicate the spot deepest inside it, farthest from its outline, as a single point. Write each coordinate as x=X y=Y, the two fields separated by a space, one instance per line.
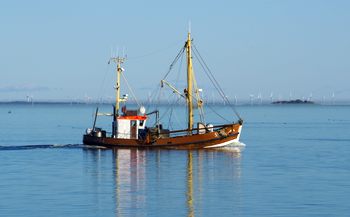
x=296 y=101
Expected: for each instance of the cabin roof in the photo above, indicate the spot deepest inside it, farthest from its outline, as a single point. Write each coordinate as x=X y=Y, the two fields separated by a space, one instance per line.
x=134 y=117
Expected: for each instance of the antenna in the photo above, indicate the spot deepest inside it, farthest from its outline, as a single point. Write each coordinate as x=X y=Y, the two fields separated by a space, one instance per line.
x=189 y=26
x=123 y=52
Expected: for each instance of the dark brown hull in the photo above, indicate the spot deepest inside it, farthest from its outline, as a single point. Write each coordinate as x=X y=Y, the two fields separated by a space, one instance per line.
x=218 y=138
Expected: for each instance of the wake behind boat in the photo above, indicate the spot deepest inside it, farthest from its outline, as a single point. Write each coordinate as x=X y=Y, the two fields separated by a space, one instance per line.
x=130 y=129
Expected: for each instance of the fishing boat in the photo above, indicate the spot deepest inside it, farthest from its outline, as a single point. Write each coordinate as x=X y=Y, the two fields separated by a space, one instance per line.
x=130 y=129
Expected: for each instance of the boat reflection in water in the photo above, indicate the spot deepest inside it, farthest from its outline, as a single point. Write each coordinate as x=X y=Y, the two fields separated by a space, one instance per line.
x=159 y=182
x=130 y=179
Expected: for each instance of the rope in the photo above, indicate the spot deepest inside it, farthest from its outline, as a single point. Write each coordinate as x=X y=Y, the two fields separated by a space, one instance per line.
x=213 y=110
x=213 y=80
x=178 y=99
x=102 y=85
x=171 y=113
x=132 y=92
x=175 y=60
x=198 y=100
x=154 y=52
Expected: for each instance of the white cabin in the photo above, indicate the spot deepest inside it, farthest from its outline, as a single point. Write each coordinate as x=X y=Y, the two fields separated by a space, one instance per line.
x=129 y=126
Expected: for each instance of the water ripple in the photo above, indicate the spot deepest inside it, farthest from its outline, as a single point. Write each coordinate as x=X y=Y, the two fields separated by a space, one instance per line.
x=29 y=147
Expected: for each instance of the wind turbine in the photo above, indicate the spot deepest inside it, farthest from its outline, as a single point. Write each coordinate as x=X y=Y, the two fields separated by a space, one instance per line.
x=87 y=99
x=259 y=98
x=29 y=98
x=251 y=96
x=310 y=97
x=271 y=97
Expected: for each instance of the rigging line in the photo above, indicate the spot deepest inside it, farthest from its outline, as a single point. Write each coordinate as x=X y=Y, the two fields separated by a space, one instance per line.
x=170 y=108
x=102 y=85
x=158 y=101
x=191 y=95
x=153 y=94
x=180 y=54
x=216 y=83
x=159 y=90
x=205 y=70
x=166 y=111
x=176 y=83
x=209 y=74
x=171 y=113
x=132 y=92
x=213 y=110
x=175 y=60
x=198 y=99
x=154 y=52
x=179 y=71
x=210 y=78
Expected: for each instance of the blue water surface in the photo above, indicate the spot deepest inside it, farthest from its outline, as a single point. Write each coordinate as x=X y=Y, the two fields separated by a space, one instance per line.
x=296 y=162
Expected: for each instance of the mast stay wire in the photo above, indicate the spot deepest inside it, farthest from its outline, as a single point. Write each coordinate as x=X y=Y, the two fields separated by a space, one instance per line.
x=198 y=99
x=130 y=89
x=99 y=93
x=158 y=91
x=174 y=62
x=214 y=81
x=180 y=54
x=210 y=76
x=178 y=99
x=154 y=52
x=213 y=110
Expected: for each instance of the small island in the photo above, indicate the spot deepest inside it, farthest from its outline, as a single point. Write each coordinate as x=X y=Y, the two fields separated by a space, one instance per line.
x=296 y=101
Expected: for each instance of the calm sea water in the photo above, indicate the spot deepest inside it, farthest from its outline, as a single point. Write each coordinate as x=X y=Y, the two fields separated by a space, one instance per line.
x=296 y=162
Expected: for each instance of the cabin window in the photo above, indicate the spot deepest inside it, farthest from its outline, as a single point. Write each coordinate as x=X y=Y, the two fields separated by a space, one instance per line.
x=133 y=123
x=141 y=123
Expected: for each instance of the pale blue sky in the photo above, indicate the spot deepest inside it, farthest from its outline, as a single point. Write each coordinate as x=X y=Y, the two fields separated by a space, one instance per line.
x=60 y=49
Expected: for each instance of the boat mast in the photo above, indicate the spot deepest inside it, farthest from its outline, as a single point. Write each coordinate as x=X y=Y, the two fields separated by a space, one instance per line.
x=189 y=83
x=119 y=70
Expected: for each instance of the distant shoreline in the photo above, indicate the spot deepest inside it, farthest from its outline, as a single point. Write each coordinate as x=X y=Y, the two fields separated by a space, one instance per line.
x=245 y=103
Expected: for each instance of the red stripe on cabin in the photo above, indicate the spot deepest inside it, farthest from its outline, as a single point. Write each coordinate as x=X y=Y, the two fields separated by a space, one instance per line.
x=133 y=117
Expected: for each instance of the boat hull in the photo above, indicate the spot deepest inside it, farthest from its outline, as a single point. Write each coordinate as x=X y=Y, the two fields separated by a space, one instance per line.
x=218 y=138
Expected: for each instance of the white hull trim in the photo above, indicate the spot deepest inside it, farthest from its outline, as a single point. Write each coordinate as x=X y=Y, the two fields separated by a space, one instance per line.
x=221 y=144
x=228 y=142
